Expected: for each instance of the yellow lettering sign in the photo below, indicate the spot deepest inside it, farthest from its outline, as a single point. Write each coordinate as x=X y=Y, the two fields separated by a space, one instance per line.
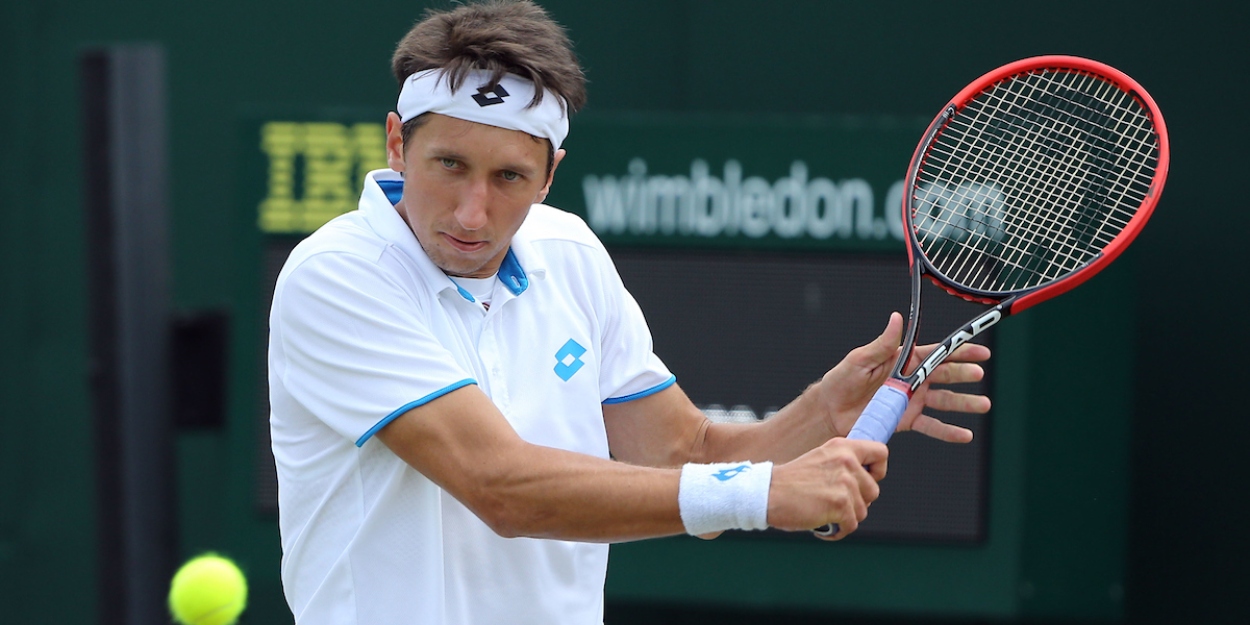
x=316 y=171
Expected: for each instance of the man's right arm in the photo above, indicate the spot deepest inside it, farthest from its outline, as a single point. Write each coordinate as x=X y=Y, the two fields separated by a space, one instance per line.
x=462 y=443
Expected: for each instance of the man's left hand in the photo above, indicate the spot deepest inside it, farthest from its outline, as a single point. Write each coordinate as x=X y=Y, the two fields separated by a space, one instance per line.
x=847 y=388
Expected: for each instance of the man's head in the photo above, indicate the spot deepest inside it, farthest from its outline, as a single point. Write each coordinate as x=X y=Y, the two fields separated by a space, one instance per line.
x=499 y=36
x=471 y=173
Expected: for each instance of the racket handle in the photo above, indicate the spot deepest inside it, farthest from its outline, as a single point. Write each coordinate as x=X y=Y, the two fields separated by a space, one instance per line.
x=876 y=423
x=879 y=420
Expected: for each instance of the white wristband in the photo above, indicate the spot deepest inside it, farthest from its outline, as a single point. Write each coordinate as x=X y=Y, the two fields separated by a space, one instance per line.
x=723 y=496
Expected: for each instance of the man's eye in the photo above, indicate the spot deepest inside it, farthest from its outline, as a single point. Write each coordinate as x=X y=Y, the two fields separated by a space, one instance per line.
x=510 y=176
x=449 y=163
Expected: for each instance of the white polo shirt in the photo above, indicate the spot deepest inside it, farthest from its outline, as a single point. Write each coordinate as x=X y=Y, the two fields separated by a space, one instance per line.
x=364 y=327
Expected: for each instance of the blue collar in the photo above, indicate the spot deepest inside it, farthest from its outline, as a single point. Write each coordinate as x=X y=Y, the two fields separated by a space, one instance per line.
x=512 y=275
x=394 y=189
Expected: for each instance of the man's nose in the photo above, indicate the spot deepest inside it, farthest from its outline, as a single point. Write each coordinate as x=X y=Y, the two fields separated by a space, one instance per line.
x=471 y=209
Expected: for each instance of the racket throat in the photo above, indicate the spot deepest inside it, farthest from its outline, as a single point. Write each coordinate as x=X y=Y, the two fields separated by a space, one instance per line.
x=969 y=331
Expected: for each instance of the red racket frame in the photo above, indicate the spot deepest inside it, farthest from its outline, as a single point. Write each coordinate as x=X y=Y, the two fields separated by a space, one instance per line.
x=1117 y=245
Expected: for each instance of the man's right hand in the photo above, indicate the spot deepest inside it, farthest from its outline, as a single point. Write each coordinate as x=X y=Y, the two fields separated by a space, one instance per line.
x=834 y=483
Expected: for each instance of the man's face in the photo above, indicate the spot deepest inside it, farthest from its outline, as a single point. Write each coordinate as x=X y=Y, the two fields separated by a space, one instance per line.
x=467 y=188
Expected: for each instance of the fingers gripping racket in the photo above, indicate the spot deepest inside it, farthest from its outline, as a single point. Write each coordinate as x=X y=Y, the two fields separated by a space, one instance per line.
x=1034 y=178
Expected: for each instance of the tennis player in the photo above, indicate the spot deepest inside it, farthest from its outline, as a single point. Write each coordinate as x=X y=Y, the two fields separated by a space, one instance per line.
x=466 y=407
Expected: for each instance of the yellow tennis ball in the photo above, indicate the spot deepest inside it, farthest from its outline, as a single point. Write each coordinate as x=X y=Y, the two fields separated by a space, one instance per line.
x=208 y=590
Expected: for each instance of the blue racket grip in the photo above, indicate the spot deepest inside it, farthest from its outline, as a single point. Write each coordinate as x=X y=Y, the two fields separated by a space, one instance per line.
x=876 y=423
x=879 y=420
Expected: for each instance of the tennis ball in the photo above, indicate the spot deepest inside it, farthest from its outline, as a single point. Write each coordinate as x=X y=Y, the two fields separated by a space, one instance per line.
x=208 y=590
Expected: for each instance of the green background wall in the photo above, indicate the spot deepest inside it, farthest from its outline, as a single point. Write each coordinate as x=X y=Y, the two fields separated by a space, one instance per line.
x=1186 y=545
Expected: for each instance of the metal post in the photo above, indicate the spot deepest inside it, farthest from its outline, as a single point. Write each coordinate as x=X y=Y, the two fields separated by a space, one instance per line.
x=125 y=170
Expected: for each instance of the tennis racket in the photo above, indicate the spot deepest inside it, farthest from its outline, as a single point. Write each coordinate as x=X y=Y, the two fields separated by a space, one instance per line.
x=1033 y=179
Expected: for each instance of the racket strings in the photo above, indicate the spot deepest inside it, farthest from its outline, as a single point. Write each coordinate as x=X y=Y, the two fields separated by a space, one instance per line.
x=1034 y=136
x=1041 y=165
x=1100 y=154
x=1069 y=129
x=1031 y=179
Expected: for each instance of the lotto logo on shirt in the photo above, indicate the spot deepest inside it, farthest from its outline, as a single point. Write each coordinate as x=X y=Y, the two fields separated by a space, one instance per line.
x=569 y=359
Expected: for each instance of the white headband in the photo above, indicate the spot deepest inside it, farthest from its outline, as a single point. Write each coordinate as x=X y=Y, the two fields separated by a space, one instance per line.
x=504 y=106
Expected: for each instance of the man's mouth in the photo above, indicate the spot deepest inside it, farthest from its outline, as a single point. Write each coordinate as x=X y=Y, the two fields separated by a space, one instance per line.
x=462 y=245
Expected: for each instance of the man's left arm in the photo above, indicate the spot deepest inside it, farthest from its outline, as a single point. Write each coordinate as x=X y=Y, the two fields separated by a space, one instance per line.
x=667 y=430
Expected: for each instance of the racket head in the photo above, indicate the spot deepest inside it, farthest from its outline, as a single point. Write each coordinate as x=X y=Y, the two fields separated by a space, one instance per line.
x=1032 y=179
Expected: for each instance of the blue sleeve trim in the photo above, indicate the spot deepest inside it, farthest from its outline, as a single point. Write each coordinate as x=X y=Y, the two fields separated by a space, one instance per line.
x=639 y=395
x=410 y=405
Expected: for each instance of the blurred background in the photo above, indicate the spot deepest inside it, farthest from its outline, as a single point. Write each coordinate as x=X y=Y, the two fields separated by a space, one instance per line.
x=1106 y=487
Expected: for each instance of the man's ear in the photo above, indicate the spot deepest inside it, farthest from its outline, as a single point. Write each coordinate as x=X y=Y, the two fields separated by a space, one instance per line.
x=394 y=142
x=555 y=162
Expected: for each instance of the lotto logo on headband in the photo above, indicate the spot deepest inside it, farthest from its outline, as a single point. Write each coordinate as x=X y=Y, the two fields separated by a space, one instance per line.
x=487 y=97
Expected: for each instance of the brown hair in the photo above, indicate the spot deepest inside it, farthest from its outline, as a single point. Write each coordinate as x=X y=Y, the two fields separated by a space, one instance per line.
x=500 y=36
